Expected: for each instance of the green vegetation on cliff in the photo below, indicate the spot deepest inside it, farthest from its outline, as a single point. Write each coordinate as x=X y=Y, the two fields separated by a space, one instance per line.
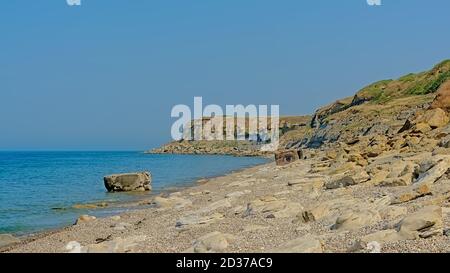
x=410 y=84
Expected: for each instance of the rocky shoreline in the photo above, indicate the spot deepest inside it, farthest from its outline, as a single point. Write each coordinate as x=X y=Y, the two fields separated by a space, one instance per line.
x=326 y=202
x=369 y=173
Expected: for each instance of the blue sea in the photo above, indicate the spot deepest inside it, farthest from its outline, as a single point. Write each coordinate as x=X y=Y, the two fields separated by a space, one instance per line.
x=38 y=189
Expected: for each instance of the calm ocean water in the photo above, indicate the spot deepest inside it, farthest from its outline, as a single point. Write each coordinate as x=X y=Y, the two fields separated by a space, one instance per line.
x=38 y=189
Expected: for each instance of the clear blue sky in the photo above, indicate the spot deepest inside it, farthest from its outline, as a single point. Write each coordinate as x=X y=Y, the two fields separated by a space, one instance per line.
x=106 y=75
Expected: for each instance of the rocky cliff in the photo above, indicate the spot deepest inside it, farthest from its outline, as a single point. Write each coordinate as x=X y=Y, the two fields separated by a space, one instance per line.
x=381 y=108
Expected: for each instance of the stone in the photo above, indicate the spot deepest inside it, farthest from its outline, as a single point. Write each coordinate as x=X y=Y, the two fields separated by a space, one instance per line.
x=115 y=217
x=8 y=239
x=442 y=99
x=352 y=220
x=380 y=237
x=214 y=242
x=436 y=172
x=378 y=176
x=435 y=118
x=305 y=244
x=400 y=175
x=345 y=180
x=171 y=202
x=85 y=219
x=424 y=223
x=411 y=193
x=197 y=220
x=128 y=182
x=273 y=208
x=283 y=158
x=313 y=214
x=421 y=128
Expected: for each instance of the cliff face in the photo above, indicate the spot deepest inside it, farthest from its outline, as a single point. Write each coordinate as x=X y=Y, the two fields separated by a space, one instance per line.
x=381 y=108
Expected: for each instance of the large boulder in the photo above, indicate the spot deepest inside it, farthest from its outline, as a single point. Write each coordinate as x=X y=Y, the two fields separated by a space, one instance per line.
x=442 y=99
x=128 y=182
x=435 y=118
x=423 y=223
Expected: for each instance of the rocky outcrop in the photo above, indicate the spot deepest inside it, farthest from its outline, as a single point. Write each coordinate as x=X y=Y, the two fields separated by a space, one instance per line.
x=128 y=182
x=442 y=99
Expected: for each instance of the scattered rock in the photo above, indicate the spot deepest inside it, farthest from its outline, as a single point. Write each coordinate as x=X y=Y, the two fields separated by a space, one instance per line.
x=84 y=219
x=128 y=182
